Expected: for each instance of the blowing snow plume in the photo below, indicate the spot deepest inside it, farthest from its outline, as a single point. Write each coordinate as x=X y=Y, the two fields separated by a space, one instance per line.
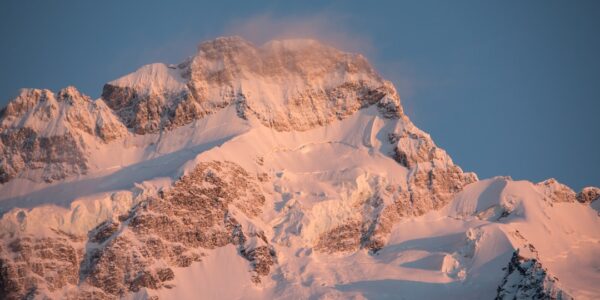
x=327 y=28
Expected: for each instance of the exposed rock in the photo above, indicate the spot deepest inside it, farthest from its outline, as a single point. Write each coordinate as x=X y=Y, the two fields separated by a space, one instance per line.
x=66 y=112
x=261 y=257
x=148 y=113
x=526 y=278
x=342 y=238
x=103 y=231
x=557 y=192
x=30 y=266
x=433 y=177
x=169 y=230
x=138 y=252
x=588 y=194
x=42 y=135
x=56 y=157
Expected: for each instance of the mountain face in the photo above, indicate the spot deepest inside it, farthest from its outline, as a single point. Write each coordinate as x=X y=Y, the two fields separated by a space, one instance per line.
x=44 y=135
x=287 y=170
x=287 y=85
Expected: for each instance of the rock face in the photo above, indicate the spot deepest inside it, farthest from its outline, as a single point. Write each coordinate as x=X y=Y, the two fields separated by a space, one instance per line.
x=588 y=194
x=146 y=101
x=558 y=192
x=140 y=249
x=434 y=178
x=27 y=263
x=527 y=279
x=55 y=157
x=45 y=135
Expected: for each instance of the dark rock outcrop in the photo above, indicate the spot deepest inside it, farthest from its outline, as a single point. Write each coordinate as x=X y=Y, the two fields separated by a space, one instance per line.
x=29 y=263
x=44 y=134
x=433 y=179
x=173 y=229
x=588 y=194
x=275 y=83
x=526 y=278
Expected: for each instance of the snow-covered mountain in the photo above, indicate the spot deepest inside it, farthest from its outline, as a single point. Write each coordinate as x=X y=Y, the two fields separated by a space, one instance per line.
x=282 y=171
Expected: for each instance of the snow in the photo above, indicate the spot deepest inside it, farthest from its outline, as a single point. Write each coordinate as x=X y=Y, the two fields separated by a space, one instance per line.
x=565 y=235
x=222 y=274
x=155 y=78
x=141 y=158
x=48 y=116
x=79 y=217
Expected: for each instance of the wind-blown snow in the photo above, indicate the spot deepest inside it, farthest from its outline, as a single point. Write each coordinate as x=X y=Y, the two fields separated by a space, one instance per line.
x=155 y=78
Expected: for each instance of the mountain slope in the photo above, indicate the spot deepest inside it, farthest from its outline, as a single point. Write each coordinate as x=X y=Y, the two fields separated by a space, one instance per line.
x=287 y=170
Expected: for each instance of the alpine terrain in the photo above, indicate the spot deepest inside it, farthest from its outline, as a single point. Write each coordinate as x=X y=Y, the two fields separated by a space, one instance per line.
x=288 y=171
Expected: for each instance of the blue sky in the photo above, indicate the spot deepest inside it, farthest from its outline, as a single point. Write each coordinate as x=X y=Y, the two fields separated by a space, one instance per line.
x=506 y=87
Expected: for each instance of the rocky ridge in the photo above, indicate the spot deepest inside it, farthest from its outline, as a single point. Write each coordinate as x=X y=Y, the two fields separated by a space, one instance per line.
x=526 y=278
x=46 y=135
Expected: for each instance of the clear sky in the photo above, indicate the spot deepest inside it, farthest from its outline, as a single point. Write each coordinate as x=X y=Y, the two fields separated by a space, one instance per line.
x=506 y=87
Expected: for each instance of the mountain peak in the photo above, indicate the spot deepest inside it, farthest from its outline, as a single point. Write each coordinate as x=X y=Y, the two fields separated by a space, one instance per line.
x=286 y=84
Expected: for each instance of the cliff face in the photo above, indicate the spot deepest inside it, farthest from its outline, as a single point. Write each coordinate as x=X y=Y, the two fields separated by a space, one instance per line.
x=44 y=136
x=526 y=278
x=295 y=154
